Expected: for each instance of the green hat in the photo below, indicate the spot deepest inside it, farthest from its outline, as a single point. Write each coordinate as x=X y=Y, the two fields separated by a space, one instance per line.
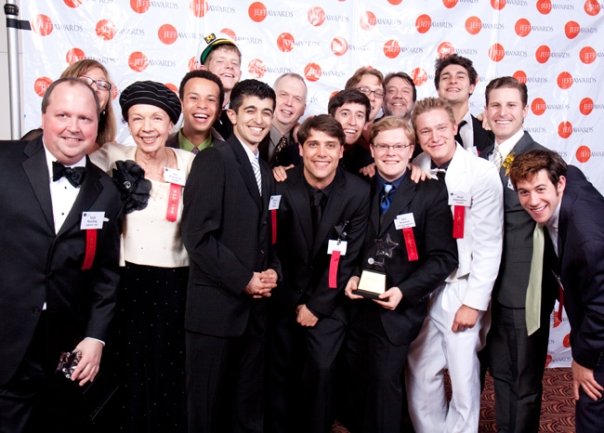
x=214 y=42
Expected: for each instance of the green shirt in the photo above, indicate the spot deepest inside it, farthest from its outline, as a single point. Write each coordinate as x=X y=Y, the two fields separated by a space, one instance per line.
x=185 y=144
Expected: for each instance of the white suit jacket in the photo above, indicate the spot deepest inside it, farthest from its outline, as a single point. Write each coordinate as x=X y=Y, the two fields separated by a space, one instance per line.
x=480 y=248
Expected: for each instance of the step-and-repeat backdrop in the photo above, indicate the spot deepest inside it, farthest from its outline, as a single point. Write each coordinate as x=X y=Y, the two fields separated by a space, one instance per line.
x=555 y=46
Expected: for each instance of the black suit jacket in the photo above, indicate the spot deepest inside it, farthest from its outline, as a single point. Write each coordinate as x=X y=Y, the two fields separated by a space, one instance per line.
x=290 y=154
x=227 y=233
x=581 y=267
x=303 y=253
x=512 y=281
x=483 y=139
x=437 y=252
x=38 y=266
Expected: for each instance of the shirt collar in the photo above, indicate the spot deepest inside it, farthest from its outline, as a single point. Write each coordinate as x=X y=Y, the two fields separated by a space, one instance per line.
x=185 y=144
x=506 y=146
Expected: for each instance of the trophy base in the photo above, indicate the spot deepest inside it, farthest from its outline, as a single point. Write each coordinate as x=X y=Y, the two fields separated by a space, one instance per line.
x=372 y=284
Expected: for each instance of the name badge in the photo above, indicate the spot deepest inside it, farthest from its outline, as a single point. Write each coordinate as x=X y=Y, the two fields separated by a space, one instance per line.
x=404 y=221
x=92 y=220
x=335 y=245
x=175 y=176
x=460 y=199
x=274 y=202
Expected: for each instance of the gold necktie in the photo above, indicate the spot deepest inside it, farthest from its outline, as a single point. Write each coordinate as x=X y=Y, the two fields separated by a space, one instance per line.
x=533 y=291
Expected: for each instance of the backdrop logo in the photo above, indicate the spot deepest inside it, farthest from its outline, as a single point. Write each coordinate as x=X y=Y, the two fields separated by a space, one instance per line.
x=395 y=2
x=257 y=11
x=73 y=3
x=42 y=25
x=583 y=153
x=105 y=29
x=41 y=84
x=572 y=29
x=172 y=87
x=139 y=6
x=137 y=61
x=564 y=80
x=419 y=76
x=587 y=55
x=498 y=4
x=496 y=52
x=423 y=23
x=229 y=33
x=256 y=68
x=193 y=64
x=565 y=129
x=544 y=6
x=445 y=49
x=74 y=55
x=312 y=72
x=586 y=106
x=450 y=3
x=316 y=16
x=520 y=76
x=285 y=42
x=392 y=49
x=339 y=46
x=592 y=7
x=198 y=7
x=538 y=106
x=368 y=20
x=522 y=27
x=167 y=34
x=543 y=53
x=473 y=25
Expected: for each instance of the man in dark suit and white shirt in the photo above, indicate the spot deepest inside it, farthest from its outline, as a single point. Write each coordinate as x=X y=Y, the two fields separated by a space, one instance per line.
x=516 y=351
x=59 y=246
x=323 y=211
x=408 y=251
x=227 y=232
x=570 y=209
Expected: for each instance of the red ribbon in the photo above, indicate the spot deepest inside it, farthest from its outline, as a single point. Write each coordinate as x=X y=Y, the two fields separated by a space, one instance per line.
x=333 y=269
x=90 y=249
x=274 y=225
x=173 y=201
x=458 y=221
x=560 y=302
x=410 y=244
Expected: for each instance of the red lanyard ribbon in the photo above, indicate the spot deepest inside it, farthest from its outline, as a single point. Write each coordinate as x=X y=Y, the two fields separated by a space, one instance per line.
x=410 y=244
x=173 y=202
x=459 y=213
x=333 y=269
x=90 y=249
x=274 y=226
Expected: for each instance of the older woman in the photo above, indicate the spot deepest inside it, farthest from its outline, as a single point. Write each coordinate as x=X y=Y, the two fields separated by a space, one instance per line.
x=150 y=317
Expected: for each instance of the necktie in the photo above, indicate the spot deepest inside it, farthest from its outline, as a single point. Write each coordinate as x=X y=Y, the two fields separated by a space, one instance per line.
x=496 y=157
x=533 y=291
x=317 y=208
x=257 y=175
x=386 y=198
x=75 y=175
x=458 y=135
x=278 y=148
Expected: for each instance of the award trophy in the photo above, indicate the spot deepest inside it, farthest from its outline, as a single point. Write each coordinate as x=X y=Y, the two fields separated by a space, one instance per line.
x=373 y=278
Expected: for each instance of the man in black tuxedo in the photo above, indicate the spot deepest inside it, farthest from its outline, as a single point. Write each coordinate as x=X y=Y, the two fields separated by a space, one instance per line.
x=323 y=209
x=559 y=198
x=227 y=232
x=517 y=355
x=59 y=246
x=408 y=251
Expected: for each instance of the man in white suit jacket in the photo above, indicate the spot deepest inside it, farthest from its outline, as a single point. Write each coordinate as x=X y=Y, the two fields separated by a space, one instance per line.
x=458 y=319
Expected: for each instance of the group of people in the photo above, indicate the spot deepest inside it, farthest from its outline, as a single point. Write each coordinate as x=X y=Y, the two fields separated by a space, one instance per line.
x=251 y=273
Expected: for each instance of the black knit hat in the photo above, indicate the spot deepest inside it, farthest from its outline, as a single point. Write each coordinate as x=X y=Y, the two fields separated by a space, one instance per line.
x=152 y=93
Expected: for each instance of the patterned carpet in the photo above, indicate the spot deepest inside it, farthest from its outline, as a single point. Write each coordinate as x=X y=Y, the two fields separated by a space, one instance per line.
x=557 y=411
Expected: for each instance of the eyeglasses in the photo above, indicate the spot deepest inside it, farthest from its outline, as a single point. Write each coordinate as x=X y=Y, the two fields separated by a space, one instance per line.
x=100 y=84
x=395 y=147
x=368 y=92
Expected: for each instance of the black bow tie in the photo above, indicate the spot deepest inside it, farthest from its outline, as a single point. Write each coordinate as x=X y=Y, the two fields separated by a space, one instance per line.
x=75 y=175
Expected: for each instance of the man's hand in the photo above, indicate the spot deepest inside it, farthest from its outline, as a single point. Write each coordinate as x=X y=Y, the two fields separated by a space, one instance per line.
x=390 y=298
x=417 y=175
x=465 y=318
x=584 y=377
x=280 y=172
x=258 y=287
x=368 y=170
x=90 y=360
x=305 y=317
x=351 y=286
x=269 y=277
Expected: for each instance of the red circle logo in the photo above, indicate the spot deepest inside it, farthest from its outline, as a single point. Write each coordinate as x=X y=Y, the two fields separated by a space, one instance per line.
x=548 y=359
x=285 y=42
x=566 y=341
x=450 y=3
x=586 y=106
x=137 y=61
x=256 y=68
x=172 y=87
x=257 y=11
x=167 y=34
x=542 y=54
x=587 y=55
x=564 y=80
x=368 y=20
x=198 y=7
x=592 y=7
x=565 y=129
x=522 y=27
x=544 y=6
x=41 y=84
x=339 y=46
x=392 y=49
x=74 y=55
x=445 y=49
x=393 y=2
x=497 y=52
x=42 y=25
x=538 y=106
x=498 y=4
x=473 y=25
x=419 y=76
x=193 y=64
x=316 y=16
x=583 y=154
x=229 y=33
x=139 y=6
x=572 y=29
x=520 y=76
x=72 y=3
x=312 y=72
x=423 y=23
x=105 y=29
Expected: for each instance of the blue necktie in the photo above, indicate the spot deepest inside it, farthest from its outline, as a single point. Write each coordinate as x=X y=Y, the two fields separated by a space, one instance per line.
x=386 y=199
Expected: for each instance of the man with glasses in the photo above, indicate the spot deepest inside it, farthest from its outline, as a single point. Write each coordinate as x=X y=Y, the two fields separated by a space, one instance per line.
x=457 y=321
x=408 y=253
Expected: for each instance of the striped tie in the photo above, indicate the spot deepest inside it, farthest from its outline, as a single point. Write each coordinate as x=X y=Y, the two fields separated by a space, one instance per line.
x=257 y=175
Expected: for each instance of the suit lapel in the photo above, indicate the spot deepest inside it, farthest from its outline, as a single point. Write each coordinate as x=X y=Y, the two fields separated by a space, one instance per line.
x=36 y=170
x=245 y=168
x=300 y=204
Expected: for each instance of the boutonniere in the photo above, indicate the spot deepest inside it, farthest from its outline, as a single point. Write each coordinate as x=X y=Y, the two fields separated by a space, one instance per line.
x=134 y=188
x=507 y=163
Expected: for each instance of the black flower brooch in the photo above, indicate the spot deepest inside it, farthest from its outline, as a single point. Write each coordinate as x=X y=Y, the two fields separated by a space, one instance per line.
x=134 y=188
